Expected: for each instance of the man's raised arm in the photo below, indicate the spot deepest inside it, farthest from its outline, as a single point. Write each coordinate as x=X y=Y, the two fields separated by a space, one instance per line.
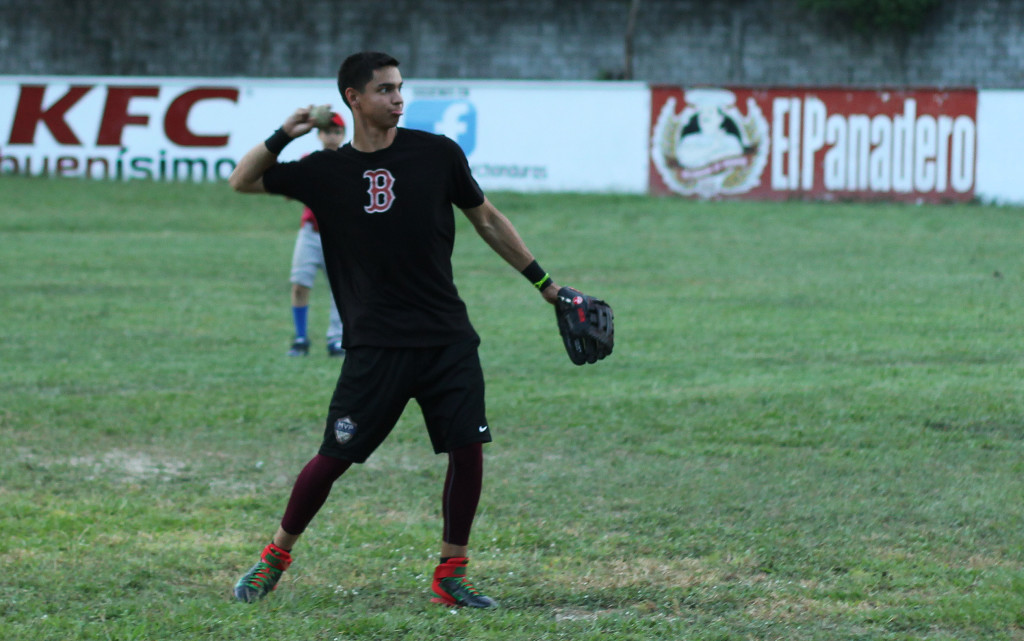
x=247 y=177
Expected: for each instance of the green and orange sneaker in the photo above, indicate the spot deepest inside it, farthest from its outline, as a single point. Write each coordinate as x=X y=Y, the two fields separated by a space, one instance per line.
x=453 y=588
x=263 y=577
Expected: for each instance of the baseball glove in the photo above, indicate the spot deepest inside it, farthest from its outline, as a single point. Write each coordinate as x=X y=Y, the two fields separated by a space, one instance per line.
x=586 y=325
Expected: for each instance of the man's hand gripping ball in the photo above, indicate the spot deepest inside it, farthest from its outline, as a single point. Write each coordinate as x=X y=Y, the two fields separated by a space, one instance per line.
x=586 y=325
x=320 y=115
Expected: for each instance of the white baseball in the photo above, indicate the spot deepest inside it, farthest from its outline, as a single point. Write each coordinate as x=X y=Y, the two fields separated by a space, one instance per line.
x=321 y=115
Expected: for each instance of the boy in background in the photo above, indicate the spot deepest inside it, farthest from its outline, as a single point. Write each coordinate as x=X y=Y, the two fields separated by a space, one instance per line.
x=307 y=258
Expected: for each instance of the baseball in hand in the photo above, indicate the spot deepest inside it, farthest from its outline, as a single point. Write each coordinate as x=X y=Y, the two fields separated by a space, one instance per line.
x=321 y=116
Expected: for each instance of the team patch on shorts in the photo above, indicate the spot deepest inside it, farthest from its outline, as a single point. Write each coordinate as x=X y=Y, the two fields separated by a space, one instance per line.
x=344 y=430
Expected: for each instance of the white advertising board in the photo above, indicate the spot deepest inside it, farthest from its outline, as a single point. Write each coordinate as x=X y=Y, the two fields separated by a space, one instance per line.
x=518 y=136
x=1001 y=146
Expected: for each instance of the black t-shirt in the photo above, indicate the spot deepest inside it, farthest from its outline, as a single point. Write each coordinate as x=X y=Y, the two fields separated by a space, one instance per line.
x=388 y=230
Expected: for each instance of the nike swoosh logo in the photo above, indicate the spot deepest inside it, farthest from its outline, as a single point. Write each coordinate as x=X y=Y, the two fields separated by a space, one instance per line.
x=482 y=428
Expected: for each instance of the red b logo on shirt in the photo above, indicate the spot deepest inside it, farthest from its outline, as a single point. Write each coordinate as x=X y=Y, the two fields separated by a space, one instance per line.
x=381 y=194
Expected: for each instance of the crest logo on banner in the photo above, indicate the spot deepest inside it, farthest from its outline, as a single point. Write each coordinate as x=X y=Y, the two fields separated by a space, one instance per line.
x=710 y=147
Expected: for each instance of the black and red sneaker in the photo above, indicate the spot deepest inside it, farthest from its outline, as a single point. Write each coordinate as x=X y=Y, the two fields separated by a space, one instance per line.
x=263 y=577
x=453 y=588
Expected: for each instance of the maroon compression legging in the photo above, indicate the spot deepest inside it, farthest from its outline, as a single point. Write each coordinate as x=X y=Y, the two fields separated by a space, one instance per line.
x=462 y=487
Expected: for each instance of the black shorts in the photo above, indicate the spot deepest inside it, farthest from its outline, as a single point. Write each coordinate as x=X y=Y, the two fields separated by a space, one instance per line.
x=376 y=384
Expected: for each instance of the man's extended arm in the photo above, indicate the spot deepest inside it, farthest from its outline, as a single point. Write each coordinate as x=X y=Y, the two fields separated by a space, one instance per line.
x=498 y=232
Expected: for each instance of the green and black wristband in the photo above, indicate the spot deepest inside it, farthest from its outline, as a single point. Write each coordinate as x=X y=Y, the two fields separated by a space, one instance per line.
x=537 y=276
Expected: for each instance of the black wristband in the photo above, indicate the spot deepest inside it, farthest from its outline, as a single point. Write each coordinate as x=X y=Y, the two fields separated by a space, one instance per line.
x=536 y=275
x=277 y=141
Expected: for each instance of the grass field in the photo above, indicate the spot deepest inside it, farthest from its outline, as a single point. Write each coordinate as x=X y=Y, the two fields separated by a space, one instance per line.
x=812 y=426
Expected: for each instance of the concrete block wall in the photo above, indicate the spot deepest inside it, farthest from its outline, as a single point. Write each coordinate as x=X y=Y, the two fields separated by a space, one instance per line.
x=976 y=43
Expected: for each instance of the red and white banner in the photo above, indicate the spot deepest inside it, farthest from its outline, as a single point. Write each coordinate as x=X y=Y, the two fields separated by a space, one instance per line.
x=824 y=144
x=139 y=128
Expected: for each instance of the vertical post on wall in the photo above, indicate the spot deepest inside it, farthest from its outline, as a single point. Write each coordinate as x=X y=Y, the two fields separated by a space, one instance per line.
x=627 y=70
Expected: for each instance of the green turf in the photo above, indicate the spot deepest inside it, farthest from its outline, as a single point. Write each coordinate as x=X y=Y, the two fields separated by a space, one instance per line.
x=812 y=426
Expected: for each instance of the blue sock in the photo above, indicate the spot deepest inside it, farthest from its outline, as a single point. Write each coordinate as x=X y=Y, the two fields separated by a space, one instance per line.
x=300 y=316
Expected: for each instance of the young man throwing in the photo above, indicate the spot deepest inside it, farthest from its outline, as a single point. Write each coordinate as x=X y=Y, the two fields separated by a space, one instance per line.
x=384 y=207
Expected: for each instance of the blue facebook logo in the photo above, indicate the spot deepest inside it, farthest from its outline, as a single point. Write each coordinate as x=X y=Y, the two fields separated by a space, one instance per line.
x=453 y=118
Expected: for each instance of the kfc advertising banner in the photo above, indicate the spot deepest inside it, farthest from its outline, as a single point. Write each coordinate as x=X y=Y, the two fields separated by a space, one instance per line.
x=824 y=144
x=114 y=128
x=196 y=129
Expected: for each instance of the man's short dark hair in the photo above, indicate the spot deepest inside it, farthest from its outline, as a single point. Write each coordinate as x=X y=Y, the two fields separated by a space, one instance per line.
x=357 y=70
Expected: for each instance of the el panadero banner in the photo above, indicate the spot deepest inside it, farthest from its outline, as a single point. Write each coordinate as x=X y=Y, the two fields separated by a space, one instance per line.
x=825 y=144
